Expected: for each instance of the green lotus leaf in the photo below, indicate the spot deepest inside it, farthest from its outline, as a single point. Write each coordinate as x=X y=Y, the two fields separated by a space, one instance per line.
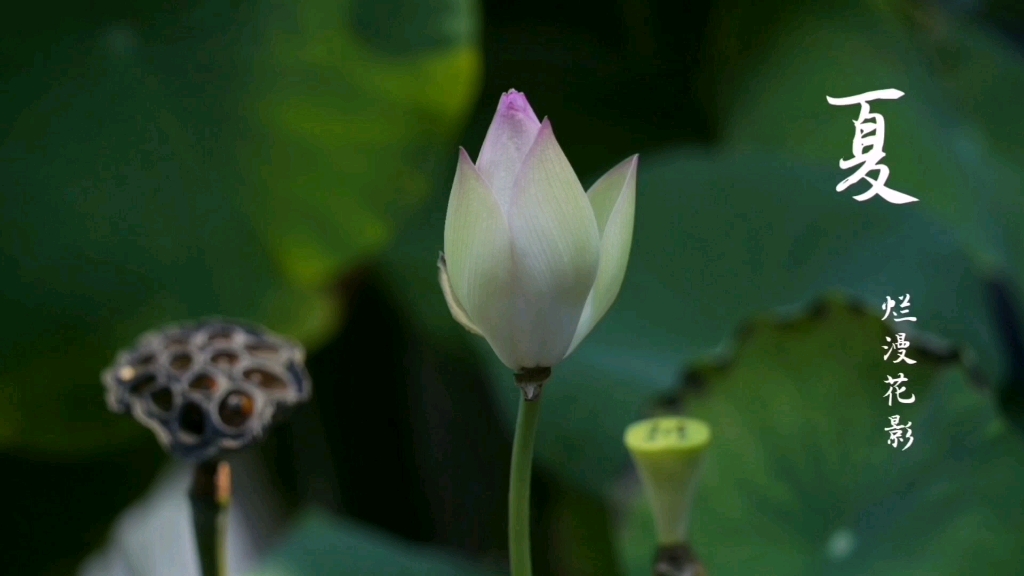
x=234 y=162
x=321 y=544
x=801 y=478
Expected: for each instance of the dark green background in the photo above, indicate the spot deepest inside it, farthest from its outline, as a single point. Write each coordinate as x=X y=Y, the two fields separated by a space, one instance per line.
x=289 y=163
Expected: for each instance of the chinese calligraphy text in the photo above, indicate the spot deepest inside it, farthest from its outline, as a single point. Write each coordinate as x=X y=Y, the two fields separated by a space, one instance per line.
x=868 y=139
x=898 y=433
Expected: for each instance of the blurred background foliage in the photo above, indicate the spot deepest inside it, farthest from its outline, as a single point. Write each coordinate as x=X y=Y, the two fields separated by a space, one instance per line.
x=789 y=493
x=289 y=163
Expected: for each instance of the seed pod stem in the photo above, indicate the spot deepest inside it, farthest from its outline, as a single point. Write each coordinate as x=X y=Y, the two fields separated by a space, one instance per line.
x=210 y=496
x=677 y=560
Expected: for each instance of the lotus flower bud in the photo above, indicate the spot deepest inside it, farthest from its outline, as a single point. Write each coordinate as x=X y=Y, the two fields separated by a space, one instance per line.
x=531 y=262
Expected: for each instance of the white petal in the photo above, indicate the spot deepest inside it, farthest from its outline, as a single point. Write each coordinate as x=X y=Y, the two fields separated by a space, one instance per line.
x=613 y=198
x=454 y=306
x=512 y=132
x=478 y=257
x=555 y=253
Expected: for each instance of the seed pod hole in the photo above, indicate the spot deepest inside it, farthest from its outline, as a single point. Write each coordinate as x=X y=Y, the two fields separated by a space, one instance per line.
x=219 y=339
x=163 y=398
x=191 y=419
x=203 y=382
x=143 y=383
x=261 y=350
x=235 y=409
x=181 y=362
x=146 y=360
x=264 y=379
x=224 y=359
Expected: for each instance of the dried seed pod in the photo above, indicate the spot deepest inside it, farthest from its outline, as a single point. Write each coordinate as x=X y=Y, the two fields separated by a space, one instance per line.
x=207 y=387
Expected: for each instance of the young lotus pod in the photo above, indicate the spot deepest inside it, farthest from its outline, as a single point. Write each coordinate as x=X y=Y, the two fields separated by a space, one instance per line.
x=208 y=387
x=669 y=453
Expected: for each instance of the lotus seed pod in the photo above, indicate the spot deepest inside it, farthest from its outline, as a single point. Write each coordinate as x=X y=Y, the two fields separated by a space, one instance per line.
x=208 y=387
x=669 y=452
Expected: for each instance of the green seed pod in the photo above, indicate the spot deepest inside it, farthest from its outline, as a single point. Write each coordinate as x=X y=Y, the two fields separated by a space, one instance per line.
x=668 y=452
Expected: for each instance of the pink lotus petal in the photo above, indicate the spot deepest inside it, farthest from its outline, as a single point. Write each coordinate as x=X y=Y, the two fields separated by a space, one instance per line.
x=512 y=132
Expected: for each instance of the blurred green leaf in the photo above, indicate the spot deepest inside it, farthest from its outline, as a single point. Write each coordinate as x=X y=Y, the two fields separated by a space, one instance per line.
x=773 y=98
x=983 y=75
x=320 y=544
x=579 y=536
x=114 y=221
x=800 y=480
x=357 y=99
x=979 y=70
x=137 y=194
x=718 y=238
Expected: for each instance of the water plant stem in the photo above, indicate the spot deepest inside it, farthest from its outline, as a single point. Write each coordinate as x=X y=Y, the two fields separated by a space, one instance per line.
x=519 y=486
x=210 y=496
x=677 y=560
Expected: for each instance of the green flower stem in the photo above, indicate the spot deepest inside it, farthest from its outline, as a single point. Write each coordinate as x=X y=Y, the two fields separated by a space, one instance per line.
x=519 y=486
x=677 y=560
x=210 y=496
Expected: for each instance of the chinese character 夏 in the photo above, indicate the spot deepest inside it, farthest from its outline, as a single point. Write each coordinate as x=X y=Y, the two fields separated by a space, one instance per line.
x=868 y=139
